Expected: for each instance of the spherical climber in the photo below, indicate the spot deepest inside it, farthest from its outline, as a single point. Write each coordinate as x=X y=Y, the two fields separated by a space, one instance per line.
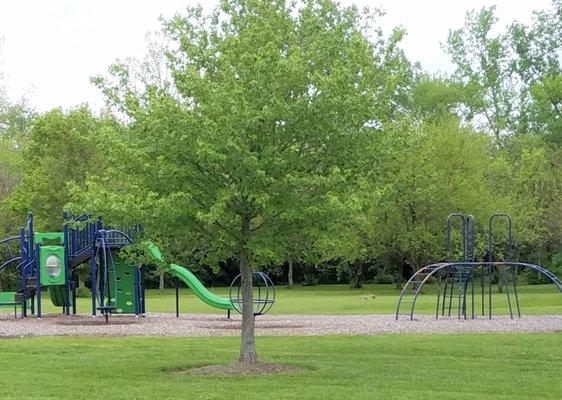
x=263 y=291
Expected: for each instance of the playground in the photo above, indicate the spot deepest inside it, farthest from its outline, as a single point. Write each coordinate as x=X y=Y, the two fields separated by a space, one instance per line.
x=181 y=339
x=46 y=266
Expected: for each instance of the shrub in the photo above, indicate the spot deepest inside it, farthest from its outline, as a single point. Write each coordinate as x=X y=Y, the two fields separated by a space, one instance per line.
x=83 y=292
x=383 y=278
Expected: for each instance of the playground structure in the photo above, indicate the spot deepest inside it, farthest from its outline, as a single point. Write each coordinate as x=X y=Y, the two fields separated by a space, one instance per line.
x=457 y=279
x=50 y=260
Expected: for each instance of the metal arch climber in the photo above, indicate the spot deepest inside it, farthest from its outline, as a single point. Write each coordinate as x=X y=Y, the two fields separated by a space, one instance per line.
x=459 y=276
x=422 y=276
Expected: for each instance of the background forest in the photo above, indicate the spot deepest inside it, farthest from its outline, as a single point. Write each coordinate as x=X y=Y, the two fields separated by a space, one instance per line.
x=326 y=156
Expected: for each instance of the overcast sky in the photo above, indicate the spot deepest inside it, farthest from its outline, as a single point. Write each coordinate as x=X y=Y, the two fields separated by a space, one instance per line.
x=51 y=48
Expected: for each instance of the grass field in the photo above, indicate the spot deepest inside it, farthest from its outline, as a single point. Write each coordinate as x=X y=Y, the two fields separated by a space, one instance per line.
x=340 y=299
x=463 y=366
x=509 y=366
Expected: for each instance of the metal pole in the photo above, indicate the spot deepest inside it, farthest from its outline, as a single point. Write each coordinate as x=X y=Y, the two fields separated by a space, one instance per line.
x=514 y=282
x=38 y=280
x=470 y=255
x=93 y=278
x=136 y=291
x=74 y=301
x=461 y=293
x=444 y=295
x=504 y=282
x=454 y=270
x=472 y=284
x=482 y=286
x=452 y=288
x=514 y=270
x=502 y=277
x=67 y=296
x=489 y=291
x=176 y=286
x=490 y=252
x=438 y=294
x=143 y=303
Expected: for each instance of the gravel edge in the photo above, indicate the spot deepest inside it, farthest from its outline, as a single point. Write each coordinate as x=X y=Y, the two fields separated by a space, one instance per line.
x=198 y=325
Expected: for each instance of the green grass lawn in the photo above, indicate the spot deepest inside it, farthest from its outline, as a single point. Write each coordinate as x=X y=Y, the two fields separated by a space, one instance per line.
x=340 y=299
x=508 y=366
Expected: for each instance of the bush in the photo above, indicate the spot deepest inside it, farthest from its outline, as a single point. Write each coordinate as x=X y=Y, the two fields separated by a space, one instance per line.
x=83 y=292
x=555 y=266
x=384 y=278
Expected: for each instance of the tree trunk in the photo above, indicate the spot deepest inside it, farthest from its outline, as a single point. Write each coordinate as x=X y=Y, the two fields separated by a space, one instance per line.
x=81 y=280
x=290 y=274
x=248 y=345
x=399 y=272
x=161 y=282
x=359 y=273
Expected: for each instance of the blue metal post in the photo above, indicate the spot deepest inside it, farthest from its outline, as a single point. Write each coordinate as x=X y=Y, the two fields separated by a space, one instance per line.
x=66 y=266
x=176 y=287
x=93 y=278
x=137 y=291
x=143 y=280
x=38 y=279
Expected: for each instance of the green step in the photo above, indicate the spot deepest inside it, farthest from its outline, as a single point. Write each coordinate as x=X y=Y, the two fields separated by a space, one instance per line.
x=7 y=297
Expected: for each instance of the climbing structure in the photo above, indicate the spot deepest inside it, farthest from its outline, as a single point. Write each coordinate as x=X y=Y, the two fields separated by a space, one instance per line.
x=459 y=282
x=50 y=261
x=117 y=285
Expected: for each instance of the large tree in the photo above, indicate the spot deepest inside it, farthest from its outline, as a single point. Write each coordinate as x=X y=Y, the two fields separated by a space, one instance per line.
x=482 y=59
x=60 y=150
x=537 y=64
x=16 y=119
x=261 y=128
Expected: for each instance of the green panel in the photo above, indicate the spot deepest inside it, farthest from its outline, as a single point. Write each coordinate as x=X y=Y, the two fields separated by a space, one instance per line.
x=40 y=237
x=122 y=284
x=7 y=297
x=46 y=278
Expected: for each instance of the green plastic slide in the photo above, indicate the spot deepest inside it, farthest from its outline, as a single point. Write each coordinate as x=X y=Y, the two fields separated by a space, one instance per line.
x=194 y=284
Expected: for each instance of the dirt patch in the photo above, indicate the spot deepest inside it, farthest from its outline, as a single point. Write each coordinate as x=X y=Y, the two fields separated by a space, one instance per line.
x=239 y=326
x=97 y=321
x=240 y=369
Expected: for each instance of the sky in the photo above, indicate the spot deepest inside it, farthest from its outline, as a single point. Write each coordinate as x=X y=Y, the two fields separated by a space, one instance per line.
x=50 y=49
